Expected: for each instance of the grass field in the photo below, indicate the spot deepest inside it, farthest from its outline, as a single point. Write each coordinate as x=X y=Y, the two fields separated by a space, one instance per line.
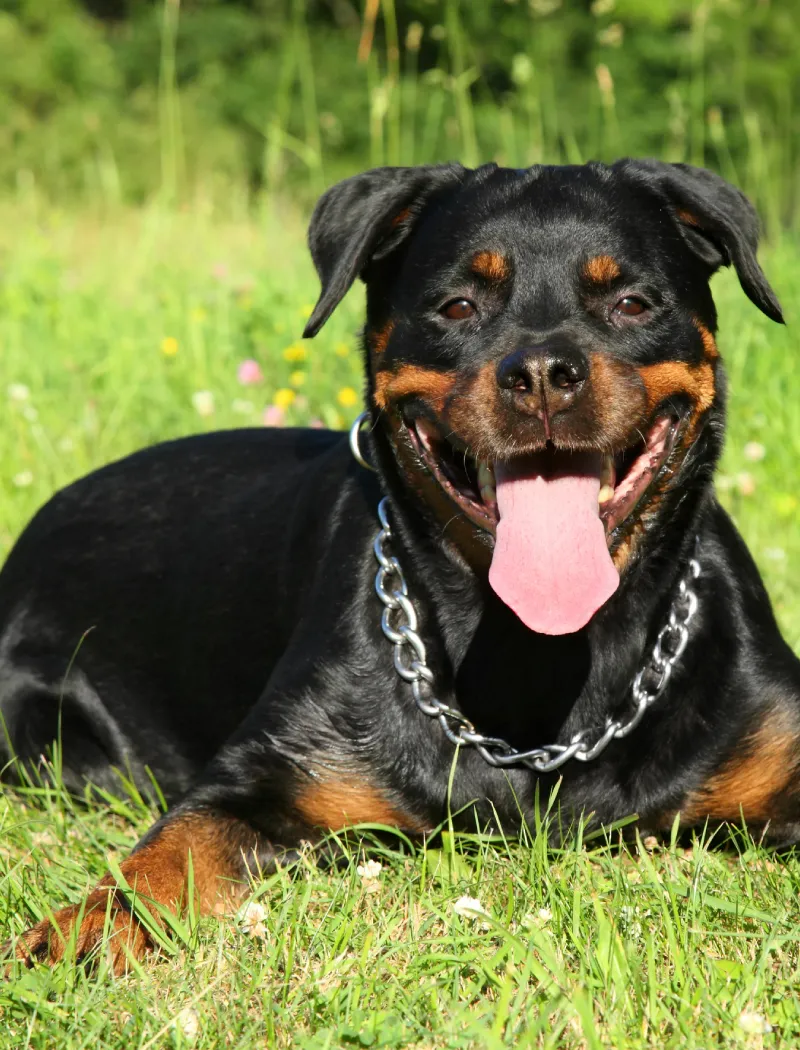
x=122 y=329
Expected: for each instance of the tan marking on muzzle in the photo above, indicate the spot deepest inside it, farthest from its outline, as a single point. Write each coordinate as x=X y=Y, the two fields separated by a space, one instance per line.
x=379 y=339
x=668 y=378
x=428 y=383
x=619 y=397
x=709 y=343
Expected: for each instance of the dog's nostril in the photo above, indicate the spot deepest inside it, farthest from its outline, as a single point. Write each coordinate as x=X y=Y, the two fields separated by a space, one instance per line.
x=515 y=373
x=516 y=381
x=565 y=375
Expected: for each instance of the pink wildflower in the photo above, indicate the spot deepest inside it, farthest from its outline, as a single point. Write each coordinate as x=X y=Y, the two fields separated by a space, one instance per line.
x=274 y=416
x=249 y=372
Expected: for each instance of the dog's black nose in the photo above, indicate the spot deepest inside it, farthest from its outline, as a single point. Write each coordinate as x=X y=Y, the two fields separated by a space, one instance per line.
x=554 y=375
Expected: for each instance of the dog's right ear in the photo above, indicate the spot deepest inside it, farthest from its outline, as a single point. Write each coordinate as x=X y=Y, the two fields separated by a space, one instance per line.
x=364 y=218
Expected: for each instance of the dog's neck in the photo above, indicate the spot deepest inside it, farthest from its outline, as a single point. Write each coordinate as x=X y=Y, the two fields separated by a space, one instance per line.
x=510 y=681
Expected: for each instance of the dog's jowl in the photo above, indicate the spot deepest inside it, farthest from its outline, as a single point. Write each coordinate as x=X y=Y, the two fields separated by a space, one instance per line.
x=535 y=570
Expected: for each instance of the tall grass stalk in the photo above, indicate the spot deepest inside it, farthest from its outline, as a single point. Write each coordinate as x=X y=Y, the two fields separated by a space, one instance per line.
x=171 y=138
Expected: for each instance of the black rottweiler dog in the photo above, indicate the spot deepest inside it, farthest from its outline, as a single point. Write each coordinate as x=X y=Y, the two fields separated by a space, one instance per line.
x=559 y=594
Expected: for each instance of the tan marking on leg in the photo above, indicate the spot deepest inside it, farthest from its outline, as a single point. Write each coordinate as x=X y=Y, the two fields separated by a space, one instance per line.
x=379 y=339
x=336 y=804
x=602 y=269
x=427 y=383
x=219 y=847
x=490 y=265
x=747 y=783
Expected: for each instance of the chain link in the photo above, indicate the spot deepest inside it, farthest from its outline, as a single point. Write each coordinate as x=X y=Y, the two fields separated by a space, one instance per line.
x=400 y=624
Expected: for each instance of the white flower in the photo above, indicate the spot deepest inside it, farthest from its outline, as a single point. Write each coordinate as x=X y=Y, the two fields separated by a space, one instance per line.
x=203 y=401
x=629 y=920
x=23 y=479
x=370 y=869
x=753 y=1023
x=251 y=920
x=754 y=451
x=188 y=1023
x=370 y=872
x=18 y=392
x=469 y=907
x=537 y=918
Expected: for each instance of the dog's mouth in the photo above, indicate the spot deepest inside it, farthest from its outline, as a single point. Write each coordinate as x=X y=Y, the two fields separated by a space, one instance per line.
x=625 y=477
x=556 y=515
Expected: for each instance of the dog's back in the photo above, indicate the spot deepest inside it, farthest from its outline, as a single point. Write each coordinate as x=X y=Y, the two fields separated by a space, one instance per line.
x=145 y=605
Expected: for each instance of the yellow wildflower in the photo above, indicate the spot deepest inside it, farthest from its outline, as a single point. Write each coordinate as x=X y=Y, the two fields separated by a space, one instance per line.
x=295 y=352
x=169 y=346
x=284 y=397
x=198 y=314
x=306 y=311
x=297 y=378
x=347 y=397
x=342 y=349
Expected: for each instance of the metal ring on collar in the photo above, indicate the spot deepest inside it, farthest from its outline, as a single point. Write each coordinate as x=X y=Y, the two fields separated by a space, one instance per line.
x=355 y=446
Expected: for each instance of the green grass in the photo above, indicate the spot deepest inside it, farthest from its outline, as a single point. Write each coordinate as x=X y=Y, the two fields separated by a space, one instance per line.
x=589 y=947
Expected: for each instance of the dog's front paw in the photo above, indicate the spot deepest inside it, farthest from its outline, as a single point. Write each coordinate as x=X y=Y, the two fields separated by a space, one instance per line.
x=83 y=925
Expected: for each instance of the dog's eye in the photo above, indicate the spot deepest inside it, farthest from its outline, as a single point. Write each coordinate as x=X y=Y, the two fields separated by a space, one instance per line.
x=459 y=309
x=630 y=306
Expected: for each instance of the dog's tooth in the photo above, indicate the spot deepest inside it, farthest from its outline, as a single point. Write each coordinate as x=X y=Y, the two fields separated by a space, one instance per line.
x=607 y=474
x=606 y=493
x=486 y=483
x=485 y=476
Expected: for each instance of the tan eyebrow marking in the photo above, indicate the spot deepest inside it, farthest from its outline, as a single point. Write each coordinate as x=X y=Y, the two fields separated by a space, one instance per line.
x=491 y=265
x=602 y=269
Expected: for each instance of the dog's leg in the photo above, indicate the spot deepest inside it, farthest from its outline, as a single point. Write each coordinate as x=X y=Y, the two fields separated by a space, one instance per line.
x=219 y=850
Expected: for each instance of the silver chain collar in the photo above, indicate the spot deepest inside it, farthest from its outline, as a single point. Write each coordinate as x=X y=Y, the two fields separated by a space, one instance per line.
x=400 y=624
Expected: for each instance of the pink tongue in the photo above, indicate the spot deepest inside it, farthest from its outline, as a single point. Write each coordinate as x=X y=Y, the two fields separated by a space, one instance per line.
x=551 y=563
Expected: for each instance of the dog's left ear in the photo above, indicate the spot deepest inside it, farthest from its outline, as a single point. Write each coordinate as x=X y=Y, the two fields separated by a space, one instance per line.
x=363 y=219
x=716 y=220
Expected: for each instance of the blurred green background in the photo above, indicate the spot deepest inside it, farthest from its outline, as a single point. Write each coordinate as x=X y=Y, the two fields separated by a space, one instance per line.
x=119 y=99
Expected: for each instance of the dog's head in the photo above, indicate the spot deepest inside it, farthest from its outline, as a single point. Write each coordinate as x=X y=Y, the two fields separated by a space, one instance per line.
x=541 y=355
